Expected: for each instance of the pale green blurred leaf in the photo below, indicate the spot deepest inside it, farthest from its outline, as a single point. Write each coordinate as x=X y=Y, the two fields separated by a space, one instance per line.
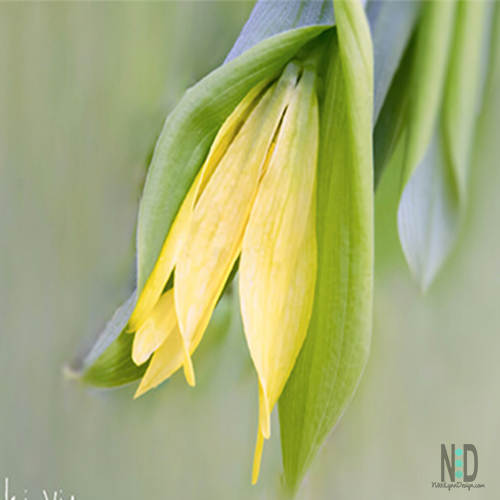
x=495 y=47
x=461 y=103
x=432 y=52
x=443 y=106
x=337 y=344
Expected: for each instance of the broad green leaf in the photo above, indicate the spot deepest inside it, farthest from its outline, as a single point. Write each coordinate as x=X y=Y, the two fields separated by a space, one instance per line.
x=336 y=348
x=443 y=104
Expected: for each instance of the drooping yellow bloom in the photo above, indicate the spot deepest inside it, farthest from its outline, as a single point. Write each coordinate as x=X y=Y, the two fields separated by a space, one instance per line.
x=254 y=197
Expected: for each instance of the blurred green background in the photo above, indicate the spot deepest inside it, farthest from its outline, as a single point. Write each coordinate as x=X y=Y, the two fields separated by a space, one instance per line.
x=84 y=89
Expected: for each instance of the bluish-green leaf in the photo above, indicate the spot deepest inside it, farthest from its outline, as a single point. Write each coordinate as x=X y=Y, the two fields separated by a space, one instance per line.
x=429 y=213
x=270 y=18
x=392 y=24
x=338 y=340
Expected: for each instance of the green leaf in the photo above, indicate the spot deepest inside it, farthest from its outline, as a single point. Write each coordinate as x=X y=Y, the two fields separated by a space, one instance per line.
x=443 y=105
x=338 y=340
x=115 y=367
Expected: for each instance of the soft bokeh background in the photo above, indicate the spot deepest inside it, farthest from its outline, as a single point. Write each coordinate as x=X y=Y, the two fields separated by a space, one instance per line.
x=84 y=89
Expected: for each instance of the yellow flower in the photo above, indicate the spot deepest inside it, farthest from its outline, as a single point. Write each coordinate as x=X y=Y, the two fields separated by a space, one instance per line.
x=254 y=198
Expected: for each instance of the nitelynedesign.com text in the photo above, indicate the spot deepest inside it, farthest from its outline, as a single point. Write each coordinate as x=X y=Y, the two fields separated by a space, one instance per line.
x=449 y=486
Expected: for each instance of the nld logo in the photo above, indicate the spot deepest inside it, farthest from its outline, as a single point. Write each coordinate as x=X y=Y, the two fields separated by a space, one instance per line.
x=462 y=463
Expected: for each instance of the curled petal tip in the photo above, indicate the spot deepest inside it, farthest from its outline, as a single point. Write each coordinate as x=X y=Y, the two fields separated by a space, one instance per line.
x=139 y=354
x=141 y=390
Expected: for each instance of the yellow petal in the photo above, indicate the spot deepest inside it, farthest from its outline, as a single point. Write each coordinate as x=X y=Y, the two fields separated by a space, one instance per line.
x=164 y=363
x=169 y=354
x=278 y=259
x=165 y=263
x=153 y=332
x=228 y=132
x=214 y=239
x=168 y=255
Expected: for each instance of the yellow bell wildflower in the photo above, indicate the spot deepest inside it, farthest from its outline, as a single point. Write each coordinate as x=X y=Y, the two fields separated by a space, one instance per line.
x=254 y=198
